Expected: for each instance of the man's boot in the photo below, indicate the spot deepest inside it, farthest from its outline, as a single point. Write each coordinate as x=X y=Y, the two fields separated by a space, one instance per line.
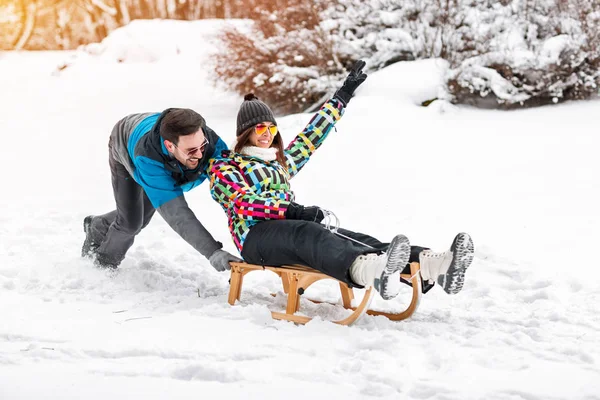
x=89 y=246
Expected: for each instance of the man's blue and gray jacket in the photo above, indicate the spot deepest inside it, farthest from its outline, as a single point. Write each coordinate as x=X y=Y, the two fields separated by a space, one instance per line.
x=136 y=143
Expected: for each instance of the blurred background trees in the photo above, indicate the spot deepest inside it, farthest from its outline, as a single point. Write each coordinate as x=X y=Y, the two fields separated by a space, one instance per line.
x=65 y=24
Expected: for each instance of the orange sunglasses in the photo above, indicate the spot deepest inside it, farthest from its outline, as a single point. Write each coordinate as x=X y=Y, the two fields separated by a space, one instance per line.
x=260 y=129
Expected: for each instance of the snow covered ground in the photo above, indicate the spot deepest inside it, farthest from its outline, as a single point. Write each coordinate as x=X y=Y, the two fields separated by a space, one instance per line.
x=524 y=184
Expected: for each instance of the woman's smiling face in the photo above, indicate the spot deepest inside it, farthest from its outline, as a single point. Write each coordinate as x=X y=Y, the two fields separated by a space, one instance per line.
x=265 y=133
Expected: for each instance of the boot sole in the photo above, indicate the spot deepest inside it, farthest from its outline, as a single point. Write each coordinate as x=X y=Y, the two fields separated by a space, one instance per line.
x=86 y=249
x=398 y=254
x=462 y=255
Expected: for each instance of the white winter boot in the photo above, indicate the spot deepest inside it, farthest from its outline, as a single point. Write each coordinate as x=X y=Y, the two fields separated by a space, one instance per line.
x=448 y=268
x=382 y=271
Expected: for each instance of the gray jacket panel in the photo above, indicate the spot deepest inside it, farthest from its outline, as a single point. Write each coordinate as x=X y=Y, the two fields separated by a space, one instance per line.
x=119 y=138
x=183 y=221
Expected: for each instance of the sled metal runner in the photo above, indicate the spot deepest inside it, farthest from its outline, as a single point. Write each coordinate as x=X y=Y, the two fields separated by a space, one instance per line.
x=296 y=279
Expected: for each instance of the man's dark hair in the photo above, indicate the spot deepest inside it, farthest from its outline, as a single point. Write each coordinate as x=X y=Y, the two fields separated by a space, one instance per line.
x=180 y=122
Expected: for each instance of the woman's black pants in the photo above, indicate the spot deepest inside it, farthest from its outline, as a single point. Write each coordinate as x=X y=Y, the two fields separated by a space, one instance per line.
x=297 y=242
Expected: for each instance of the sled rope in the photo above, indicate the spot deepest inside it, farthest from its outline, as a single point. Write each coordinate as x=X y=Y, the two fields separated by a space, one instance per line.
x=330 y=218
x=332 y=224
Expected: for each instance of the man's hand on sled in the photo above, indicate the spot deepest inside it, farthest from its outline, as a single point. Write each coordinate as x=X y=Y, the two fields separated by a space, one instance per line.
x=297 y=211
x=220 y=260
x=355 y=78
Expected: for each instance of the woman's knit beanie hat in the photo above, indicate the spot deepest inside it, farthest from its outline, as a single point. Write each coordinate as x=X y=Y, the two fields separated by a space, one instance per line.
x=252 y=112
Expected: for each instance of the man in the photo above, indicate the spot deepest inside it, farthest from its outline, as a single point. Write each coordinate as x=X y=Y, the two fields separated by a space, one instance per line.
x=155 y=158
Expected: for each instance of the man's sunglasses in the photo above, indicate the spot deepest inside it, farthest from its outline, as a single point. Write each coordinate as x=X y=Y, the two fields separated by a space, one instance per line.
x=192 y=152
x=260 y=129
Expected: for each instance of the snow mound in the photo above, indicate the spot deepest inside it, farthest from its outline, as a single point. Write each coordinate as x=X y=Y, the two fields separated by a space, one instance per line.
x=409 y=82
x=148 y=41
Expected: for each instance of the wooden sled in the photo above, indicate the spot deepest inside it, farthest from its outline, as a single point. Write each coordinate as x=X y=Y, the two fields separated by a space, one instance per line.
x=296 y=279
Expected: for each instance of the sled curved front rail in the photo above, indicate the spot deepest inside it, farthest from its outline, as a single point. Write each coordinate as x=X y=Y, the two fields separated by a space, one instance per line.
x=296 y=279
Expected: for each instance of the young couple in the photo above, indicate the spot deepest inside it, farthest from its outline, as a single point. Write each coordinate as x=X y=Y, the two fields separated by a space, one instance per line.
x=155 y=158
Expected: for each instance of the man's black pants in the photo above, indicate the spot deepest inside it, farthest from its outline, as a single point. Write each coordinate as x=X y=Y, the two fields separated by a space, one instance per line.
x=115 y=231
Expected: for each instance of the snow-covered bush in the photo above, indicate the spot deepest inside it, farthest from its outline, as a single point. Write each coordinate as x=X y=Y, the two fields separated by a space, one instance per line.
x=505 y=53
x=545 y=55
x=284 y=56
x=297 y=52
x=387 y=31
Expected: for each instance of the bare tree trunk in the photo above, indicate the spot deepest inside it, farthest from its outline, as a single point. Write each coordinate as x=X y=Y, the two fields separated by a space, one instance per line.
x=208 y=9
x=28 y=20
x=122 y=16
x=219 y=9
x=62 y=22
x=101 y=5
x=162 y=8
x=183 y=10
x=227 y=9
x=144 y=10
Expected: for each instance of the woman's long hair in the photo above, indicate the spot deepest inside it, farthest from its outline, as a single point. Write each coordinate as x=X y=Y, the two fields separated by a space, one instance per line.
x=244 y=138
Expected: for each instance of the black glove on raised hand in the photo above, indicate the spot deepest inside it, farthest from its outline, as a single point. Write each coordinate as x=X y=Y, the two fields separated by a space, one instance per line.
x=354 y=79
x=312 y=213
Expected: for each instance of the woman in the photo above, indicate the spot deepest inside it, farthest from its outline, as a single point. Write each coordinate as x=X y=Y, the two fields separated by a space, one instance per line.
x=251 y=183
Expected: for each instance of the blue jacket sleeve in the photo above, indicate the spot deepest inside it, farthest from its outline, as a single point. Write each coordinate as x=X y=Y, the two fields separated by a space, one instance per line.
x=157 y=182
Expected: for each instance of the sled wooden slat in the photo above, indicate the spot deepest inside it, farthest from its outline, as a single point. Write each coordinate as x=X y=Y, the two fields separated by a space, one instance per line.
x=415 y=280
x=298 y=319
x=296 y=279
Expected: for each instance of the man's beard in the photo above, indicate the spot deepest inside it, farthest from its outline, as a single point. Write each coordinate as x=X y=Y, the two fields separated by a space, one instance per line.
x=192 y=160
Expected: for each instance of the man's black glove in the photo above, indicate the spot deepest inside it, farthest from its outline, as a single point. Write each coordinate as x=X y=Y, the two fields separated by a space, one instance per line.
x=312 y=213
x=354 y=79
